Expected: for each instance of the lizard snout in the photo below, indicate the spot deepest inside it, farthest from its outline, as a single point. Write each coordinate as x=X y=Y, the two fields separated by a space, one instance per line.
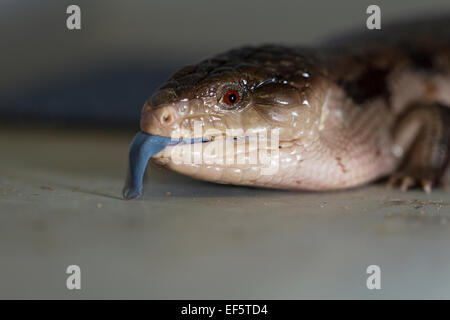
x=160 y=120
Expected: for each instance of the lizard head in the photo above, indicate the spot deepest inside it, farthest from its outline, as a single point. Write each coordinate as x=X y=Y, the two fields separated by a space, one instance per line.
x=263 y=93
x=249 y=90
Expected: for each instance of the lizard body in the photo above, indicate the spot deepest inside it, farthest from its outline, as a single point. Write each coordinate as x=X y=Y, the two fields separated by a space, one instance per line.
x=345 y=114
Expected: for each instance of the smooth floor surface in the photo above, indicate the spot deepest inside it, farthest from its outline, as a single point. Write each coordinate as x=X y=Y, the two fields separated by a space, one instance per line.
x=60 y=205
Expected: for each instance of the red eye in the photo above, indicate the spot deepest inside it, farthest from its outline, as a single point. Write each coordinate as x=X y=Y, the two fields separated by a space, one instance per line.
x=231 y=97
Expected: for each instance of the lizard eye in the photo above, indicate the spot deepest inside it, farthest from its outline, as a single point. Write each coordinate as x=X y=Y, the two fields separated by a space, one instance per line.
x=231 y=97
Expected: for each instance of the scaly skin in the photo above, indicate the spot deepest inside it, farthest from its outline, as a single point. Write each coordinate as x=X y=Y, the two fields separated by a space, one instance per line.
x=345 y=116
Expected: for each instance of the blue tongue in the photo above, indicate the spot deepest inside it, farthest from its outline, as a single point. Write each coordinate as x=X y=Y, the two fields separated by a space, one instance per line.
x=142 y=148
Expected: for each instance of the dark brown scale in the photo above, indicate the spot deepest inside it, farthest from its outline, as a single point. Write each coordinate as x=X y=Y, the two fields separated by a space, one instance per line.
x=369 y=85
x=252 y=64
x=421 y=59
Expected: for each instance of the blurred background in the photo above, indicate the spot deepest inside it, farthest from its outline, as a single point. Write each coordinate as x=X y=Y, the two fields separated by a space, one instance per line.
x=102 y=74
x=69 y=107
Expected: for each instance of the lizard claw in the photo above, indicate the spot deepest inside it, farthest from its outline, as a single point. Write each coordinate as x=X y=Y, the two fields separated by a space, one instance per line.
x=426 y=185
x=406 y=183
x=392 y=181
x=407 y=180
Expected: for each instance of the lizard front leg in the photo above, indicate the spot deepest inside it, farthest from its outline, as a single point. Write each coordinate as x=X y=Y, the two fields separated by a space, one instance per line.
x=422 y=145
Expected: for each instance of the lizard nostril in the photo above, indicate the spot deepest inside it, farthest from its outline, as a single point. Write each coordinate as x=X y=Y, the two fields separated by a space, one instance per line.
x=167 y=116
x=160 y=120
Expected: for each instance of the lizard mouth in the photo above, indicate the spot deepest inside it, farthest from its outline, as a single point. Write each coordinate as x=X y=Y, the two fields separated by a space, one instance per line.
x=144 y=146
x=183 y=141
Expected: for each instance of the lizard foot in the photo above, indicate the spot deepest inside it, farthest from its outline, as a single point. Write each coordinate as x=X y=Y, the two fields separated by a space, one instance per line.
x=423 y=132
x=411 y=178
